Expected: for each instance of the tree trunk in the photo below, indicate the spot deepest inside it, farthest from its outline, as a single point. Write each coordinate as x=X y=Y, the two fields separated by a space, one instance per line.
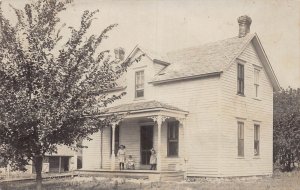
x=101 y=148
x=38 y=170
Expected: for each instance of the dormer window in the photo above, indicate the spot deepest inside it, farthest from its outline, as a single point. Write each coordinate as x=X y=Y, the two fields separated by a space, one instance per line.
x=139 y=84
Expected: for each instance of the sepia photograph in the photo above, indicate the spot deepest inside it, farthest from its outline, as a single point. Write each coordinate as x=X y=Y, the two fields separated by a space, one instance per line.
x=149 y=94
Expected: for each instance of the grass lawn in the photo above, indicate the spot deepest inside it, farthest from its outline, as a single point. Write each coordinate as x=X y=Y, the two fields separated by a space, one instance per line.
x=279 y=181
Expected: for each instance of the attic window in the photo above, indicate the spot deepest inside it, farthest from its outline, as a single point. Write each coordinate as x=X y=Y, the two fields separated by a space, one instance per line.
x=139 y=84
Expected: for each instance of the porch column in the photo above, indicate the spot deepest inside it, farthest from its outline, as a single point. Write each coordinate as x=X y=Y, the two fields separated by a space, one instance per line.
x=59 y=164
x=159 y=124
x=113 y=156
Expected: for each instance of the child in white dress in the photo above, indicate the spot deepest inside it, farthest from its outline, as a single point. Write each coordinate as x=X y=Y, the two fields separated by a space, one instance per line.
x=153 y=159
x=122 y=156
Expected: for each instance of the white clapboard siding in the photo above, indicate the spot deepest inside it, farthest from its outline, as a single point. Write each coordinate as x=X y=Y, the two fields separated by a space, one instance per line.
x=251 y=110
x=91 y=154
x=211 y=124
x=130 y=137
x=200 y=98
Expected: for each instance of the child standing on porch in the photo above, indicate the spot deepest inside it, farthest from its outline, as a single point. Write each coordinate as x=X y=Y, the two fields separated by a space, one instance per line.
x=122 y=156
x=153 y=159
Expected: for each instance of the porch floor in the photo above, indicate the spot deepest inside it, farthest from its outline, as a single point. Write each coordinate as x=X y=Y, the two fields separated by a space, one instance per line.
x=152 y=175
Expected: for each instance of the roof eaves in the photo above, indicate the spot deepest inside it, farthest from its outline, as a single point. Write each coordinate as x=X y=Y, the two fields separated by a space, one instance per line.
x=145 y=110
x=274 y=79
x=186 y=78
x=116 y=89
x=161 y=62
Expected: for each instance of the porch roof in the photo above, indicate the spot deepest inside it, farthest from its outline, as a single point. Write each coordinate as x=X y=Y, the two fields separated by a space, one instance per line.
x=143 y=106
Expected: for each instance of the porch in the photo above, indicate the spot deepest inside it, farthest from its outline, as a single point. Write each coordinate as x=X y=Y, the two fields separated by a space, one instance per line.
x=136 y=174
x=145 y=125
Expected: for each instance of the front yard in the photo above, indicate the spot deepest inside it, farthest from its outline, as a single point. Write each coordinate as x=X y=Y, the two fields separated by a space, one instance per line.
x=279 y=181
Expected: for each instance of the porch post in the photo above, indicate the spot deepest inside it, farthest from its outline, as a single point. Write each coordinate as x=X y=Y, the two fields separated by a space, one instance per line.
x=159 y=124
x=113 y=156
x=59 y=164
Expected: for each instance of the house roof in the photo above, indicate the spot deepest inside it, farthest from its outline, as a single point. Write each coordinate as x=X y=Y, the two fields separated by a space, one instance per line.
x=208 y=58
x=141 y=106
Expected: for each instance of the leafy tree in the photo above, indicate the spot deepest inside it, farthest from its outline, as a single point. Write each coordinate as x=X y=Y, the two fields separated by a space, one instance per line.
x=49 y=89
x=287 y=128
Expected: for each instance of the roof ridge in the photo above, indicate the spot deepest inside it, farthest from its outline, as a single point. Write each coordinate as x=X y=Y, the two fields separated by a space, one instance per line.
x=208 y=43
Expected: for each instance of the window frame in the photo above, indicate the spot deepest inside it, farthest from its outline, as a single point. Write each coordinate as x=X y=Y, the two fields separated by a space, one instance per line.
x=240 y=79
x=175 y=140
x=136 y=88
x=256 y=82
x=256 y=139
x=241 y=139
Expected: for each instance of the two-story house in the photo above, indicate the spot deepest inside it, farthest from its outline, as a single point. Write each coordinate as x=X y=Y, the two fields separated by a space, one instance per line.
x=206 y=110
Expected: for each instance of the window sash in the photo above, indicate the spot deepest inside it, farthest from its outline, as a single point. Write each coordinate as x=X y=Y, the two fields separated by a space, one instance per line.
x=256 y=139
x=256 y=76
x=173 y=138
x=240 y=139
x=241 y=147
x=256 y=87
x=256 y=81
x=139 y=84
x=240 y=78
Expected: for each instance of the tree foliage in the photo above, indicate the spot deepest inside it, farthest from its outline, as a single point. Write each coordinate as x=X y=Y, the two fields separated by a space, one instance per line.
x=47 y=90
x=287 y=128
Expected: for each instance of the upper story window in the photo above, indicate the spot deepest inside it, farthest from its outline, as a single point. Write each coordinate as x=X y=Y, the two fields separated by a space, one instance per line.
x=256 y=82
x=139 y=84
x=256 y=139
x=240 y=139
x=240 y=79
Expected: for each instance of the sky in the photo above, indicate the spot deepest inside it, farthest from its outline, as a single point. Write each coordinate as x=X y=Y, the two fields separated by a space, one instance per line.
x=165 y=25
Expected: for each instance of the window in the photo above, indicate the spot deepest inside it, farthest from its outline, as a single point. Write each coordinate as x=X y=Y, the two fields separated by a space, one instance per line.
x=173 y=140
x=256 y=139
x=240 y=79
x=256 y=82
x=139 y=84
x=240 y=139
x=117 y=139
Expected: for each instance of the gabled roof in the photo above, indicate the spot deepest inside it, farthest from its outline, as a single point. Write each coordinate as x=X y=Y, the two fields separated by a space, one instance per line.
x=154 y=56
x=202 y=60
x=141 y=106
x=206 y=60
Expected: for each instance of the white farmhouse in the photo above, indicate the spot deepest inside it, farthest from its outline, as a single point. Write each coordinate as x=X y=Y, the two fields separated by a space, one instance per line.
x=207 y=111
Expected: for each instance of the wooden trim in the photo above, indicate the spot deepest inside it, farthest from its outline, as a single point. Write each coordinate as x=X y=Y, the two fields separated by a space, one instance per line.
x=161 y=62
x=185 y=78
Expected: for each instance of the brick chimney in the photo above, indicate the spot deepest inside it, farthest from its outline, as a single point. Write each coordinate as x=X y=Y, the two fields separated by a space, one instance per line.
x=244 y=25
x=119 y=53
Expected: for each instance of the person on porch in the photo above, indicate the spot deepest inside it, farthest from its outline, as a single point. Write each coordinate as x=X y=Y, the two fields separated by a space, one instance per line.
x=122 y=156
x=153 y=159
x=130 y=163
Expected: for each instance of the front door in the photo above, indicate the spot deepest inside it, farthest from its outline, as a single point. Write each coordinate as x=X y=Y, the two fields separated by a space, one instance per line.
x=146 y=143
